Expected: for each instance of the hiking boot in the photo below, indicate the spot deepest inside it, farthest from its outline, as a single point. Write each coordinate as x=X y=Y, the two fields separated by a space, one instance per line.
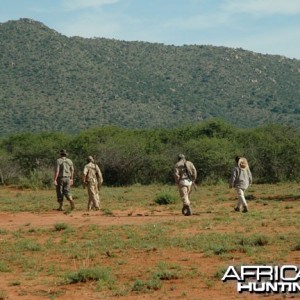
x=72 y=204
x=245 y=210
x=236 y=209
x=186 y=210
x=60 y=208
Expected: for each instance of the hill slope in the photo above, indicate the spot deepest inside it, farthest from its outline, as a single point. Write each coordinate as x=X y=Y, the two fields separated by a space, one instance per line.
x=49 y=82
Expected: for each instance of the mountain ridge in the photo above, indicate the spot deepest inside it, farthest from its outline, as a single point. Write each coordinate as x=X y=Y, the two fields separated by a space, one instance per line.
x=50 y=82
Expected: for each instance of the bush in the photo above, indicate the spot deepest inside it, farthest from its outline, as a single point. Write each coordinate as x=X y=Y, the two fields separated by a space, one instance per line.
x=142 y=286
x=254 y=241
x=165 y=199
x=129 y=156
x=61 y=226
x=166 y=275
x=91 y=274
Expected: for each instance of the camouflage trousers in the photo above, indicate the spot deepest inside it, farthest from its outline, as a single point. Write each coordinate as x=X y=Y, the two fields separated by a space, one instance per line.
x=185 y=192
x=63 y=189
x=94 y=199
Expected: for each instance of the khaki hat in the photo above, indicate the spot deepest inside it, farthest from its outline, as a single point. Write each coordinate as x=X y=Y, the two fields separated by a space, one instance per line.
x=181 y=156
x=243 y=163
x=90 y=159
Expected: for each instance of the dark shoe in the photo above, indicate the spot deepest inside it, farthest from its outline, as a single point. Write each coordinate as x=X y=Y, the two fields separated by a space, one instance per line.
x=60 y=207
x=236 y=209
x=72 y=204
x=245 y=210
x=186 y=210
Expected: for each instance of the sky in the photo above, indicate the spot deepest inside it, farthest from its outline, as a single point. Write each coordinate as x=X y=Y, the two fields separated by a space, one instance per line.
x=262 y=26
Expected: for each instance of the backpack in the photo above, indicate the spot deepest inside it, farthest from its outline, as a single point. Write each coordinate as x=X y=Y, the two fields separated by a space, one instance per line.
x=92 y=175
x=65 y=168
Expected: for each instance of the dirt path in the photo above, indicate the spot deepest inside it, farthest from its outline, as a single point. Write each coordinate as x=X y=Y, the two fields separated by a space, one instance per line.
x=16 y=220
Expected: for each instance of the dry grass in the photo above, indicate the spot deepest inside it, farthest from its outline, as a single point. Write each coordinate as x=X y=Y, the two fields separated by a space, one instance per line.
x=162 y=254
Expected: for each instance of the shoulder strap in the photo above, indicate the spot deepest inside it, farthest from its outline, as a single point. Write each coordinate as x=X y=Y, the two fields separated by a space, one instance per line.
x=188 y=171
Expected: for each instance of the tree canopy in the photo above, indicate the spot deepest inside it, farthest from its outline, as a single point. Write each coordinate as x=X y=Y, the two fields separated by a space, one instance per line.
x=129 y=156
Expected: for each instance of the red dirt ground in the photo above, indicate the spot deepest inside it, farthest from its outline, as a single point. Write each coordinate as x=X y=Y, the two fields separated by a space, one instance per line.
x=137 y=262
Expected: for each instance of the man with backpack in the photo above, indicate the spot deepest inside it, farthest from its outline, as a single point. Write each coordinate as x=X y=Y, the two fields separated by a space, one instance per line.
x=185 y=175
x=92 y=179
x=63 y=179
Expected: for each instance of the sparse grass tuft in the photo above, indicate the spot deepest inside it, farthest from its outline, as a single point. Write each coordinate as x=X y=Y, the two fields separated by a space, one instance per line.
x=147 y=285
x=254 y=240
x=4 y=267
x=61 y=226
x=90 y=274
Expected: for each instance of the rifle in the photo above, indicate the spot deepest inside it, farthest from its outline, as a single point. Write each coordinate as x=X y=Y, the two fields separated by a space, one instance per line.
x=97 y=175
x=190 y=177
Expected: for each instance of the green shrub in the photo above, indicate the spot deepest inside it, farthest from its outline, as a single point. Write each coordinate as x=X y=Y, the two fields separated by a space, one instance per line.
x=91 y=274
x=4 y=267
x=61 y=226
x=142 y=286
x=30 y=245
x=165 y=199
x=166 y=275
x=296 y=247
x=255 y=240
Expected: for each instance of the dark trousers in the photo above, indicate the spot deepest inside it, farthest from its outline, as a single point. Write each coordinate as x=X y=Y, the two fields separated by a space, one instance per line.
x=63 y=189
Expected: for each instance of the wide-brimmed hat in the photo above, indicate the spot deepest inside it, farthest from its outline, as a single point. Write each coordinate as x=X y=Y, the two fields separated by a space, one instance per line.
x=63 y=152
x=243 y=163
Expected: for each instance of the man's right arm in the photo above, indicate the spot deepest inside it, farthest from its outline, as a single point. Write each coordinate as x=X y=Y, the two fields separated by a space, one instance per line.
x=232 y=178
x=176 y=175
x=83 y=178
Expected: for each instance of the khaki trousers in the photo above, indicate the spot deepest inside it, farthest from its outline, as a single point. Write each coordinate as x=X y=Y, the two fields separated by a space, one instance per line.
x=185 y=191
x=241 y=198
x=93 y=193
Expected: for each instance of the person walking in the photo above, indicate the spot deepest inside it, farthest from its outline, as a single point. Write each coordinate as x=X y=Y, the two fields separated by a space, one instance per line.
x=92 y=179
x=241 y=179
x=63 y=179
x=185 y=175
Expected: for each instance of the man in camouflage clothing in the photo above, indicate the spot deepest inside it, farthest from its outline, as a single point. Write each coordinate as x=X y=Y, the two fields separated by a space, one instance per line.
x=63 y=179
x=185 y=175
x=92 y=179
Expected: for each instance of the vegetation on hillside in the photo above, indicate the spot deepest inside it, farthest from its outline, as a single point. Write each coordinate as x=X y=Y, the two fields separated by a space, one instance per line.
x=49 y=82
x=128 y=156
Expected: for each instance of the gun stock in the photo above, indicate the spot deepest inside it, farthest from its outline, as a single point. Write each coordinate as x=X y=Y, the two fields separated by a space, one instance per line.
x=195 y=186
